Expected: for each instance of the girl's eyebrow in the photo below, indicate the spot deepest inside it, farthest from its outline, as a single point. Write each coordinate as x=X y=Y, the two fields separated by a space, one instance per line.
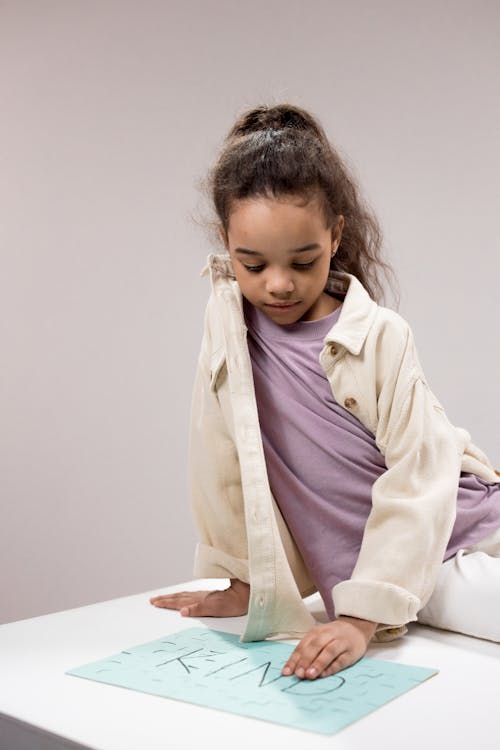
x=311 y=246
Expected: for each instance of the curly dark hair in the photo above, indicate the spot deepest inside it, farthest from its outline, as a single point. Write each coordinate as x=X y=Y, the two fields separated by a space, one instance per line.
x=279 y=151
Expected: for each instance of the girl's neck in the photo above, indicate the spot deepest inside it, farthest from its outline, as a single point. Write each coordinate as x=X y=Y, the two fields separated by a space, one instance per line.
x=326 y=306
x=316 y=328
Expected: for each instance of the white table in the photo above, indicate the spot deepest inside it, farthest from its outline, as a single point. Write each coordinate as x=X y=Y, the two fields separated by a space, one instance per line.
x=42 y=708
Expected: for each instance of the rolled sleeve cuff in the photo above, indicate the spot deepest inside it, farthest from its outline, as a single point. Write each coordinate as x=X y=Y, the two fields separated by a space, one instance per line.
x=385 y=633
x=210 y=562
x=377 y=601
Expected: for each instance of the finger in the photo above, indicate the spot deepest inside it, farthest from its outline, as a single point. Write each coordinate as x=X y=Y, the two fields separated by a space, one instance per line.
x=334 y=653
x=294 y=663
x=167 y=597
x=175 y=600
x=297 y=661
x=178 y=604
x=321 y=662
x=313 y=654
x=177 y=593
x=342 y=661
x=207 y=607
x=184 y=606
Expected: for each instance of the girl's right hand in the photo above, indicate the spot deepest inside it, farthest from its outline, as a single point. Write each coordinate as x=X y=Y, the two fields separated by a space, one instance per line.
x=231 y=602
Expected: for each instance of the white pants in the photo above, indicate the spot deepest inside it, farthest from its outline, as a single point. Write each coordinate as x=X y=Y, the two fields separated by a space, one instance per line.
x=466 y=598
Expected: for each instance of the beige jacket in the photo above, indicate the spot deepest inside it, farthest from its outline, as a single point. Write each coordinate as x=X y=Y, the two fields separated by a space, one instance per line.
x=370 y=360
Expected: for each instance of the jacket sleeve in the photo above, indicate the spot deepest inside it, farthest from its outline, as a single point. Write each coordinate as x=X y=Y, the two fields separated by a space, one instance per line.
x=213 y=470
x=413 y=502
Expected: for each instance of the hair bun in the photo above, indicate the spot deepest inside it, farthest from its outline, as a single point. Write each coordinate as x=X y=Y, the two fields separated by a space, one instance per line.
x=275 y=117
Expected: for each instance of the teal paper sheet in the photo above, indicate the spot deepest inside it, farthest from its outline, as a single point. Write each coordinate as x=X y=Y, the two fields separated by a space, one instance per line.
x=213 y=668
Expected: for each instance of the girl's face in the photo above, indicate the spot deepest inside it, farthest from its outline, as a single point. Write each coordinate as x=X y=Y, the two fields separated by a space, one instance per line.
x=281 y=253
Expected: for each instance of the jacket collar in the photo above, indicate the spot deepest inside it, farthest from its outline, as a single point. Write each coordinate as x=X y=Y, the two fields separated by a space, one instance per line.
x=358 y=309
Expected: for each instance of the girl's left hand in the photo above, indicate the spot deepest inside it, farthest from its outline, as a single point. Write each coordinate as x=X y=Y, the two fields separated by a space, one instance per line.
x=327 y=649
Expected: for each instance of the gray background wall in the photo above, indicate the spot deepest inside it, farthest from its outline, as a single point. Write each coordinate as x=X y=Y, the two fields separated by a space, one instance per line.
x=110 y=113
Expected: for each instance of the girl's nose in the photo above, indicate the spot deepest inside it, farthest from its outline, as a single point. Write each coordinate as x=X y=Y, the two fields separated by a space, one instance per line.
x=279 y=283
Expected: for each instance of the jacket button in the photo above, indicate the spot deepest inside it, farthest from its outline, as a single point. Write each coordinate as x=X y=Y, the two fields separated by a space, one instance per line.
x=350 y=402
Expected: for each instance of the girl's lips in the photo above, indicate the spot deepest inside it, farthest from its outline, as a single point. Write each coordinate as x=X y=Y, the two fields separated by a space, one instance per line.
x=283 y=307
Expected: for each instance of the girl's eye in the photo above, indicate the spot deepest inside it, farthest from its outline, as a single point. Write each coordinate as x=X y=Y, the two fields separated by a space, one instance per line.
x=305 y=265
x=300 y=266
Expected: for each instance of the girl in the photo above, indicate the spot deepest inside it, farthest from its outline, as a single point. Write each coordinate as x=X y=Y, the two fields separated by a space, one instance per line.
x=319 y=458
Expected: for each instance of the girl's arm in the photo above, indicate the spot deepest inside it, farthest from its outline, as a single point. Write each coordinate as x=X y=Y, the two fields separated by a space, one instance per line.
x=216 y=499
x=413 y=501
x=214 y=478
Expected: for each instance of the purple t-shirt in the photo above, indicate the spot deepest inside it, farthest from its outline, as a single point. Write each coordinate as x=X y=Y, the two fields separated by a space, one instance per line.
x=322 y=461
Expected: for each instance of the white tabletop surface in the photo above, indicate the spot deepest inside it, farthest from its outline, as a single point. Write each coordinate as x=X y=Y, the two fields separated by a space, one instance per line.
x=42 y=708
